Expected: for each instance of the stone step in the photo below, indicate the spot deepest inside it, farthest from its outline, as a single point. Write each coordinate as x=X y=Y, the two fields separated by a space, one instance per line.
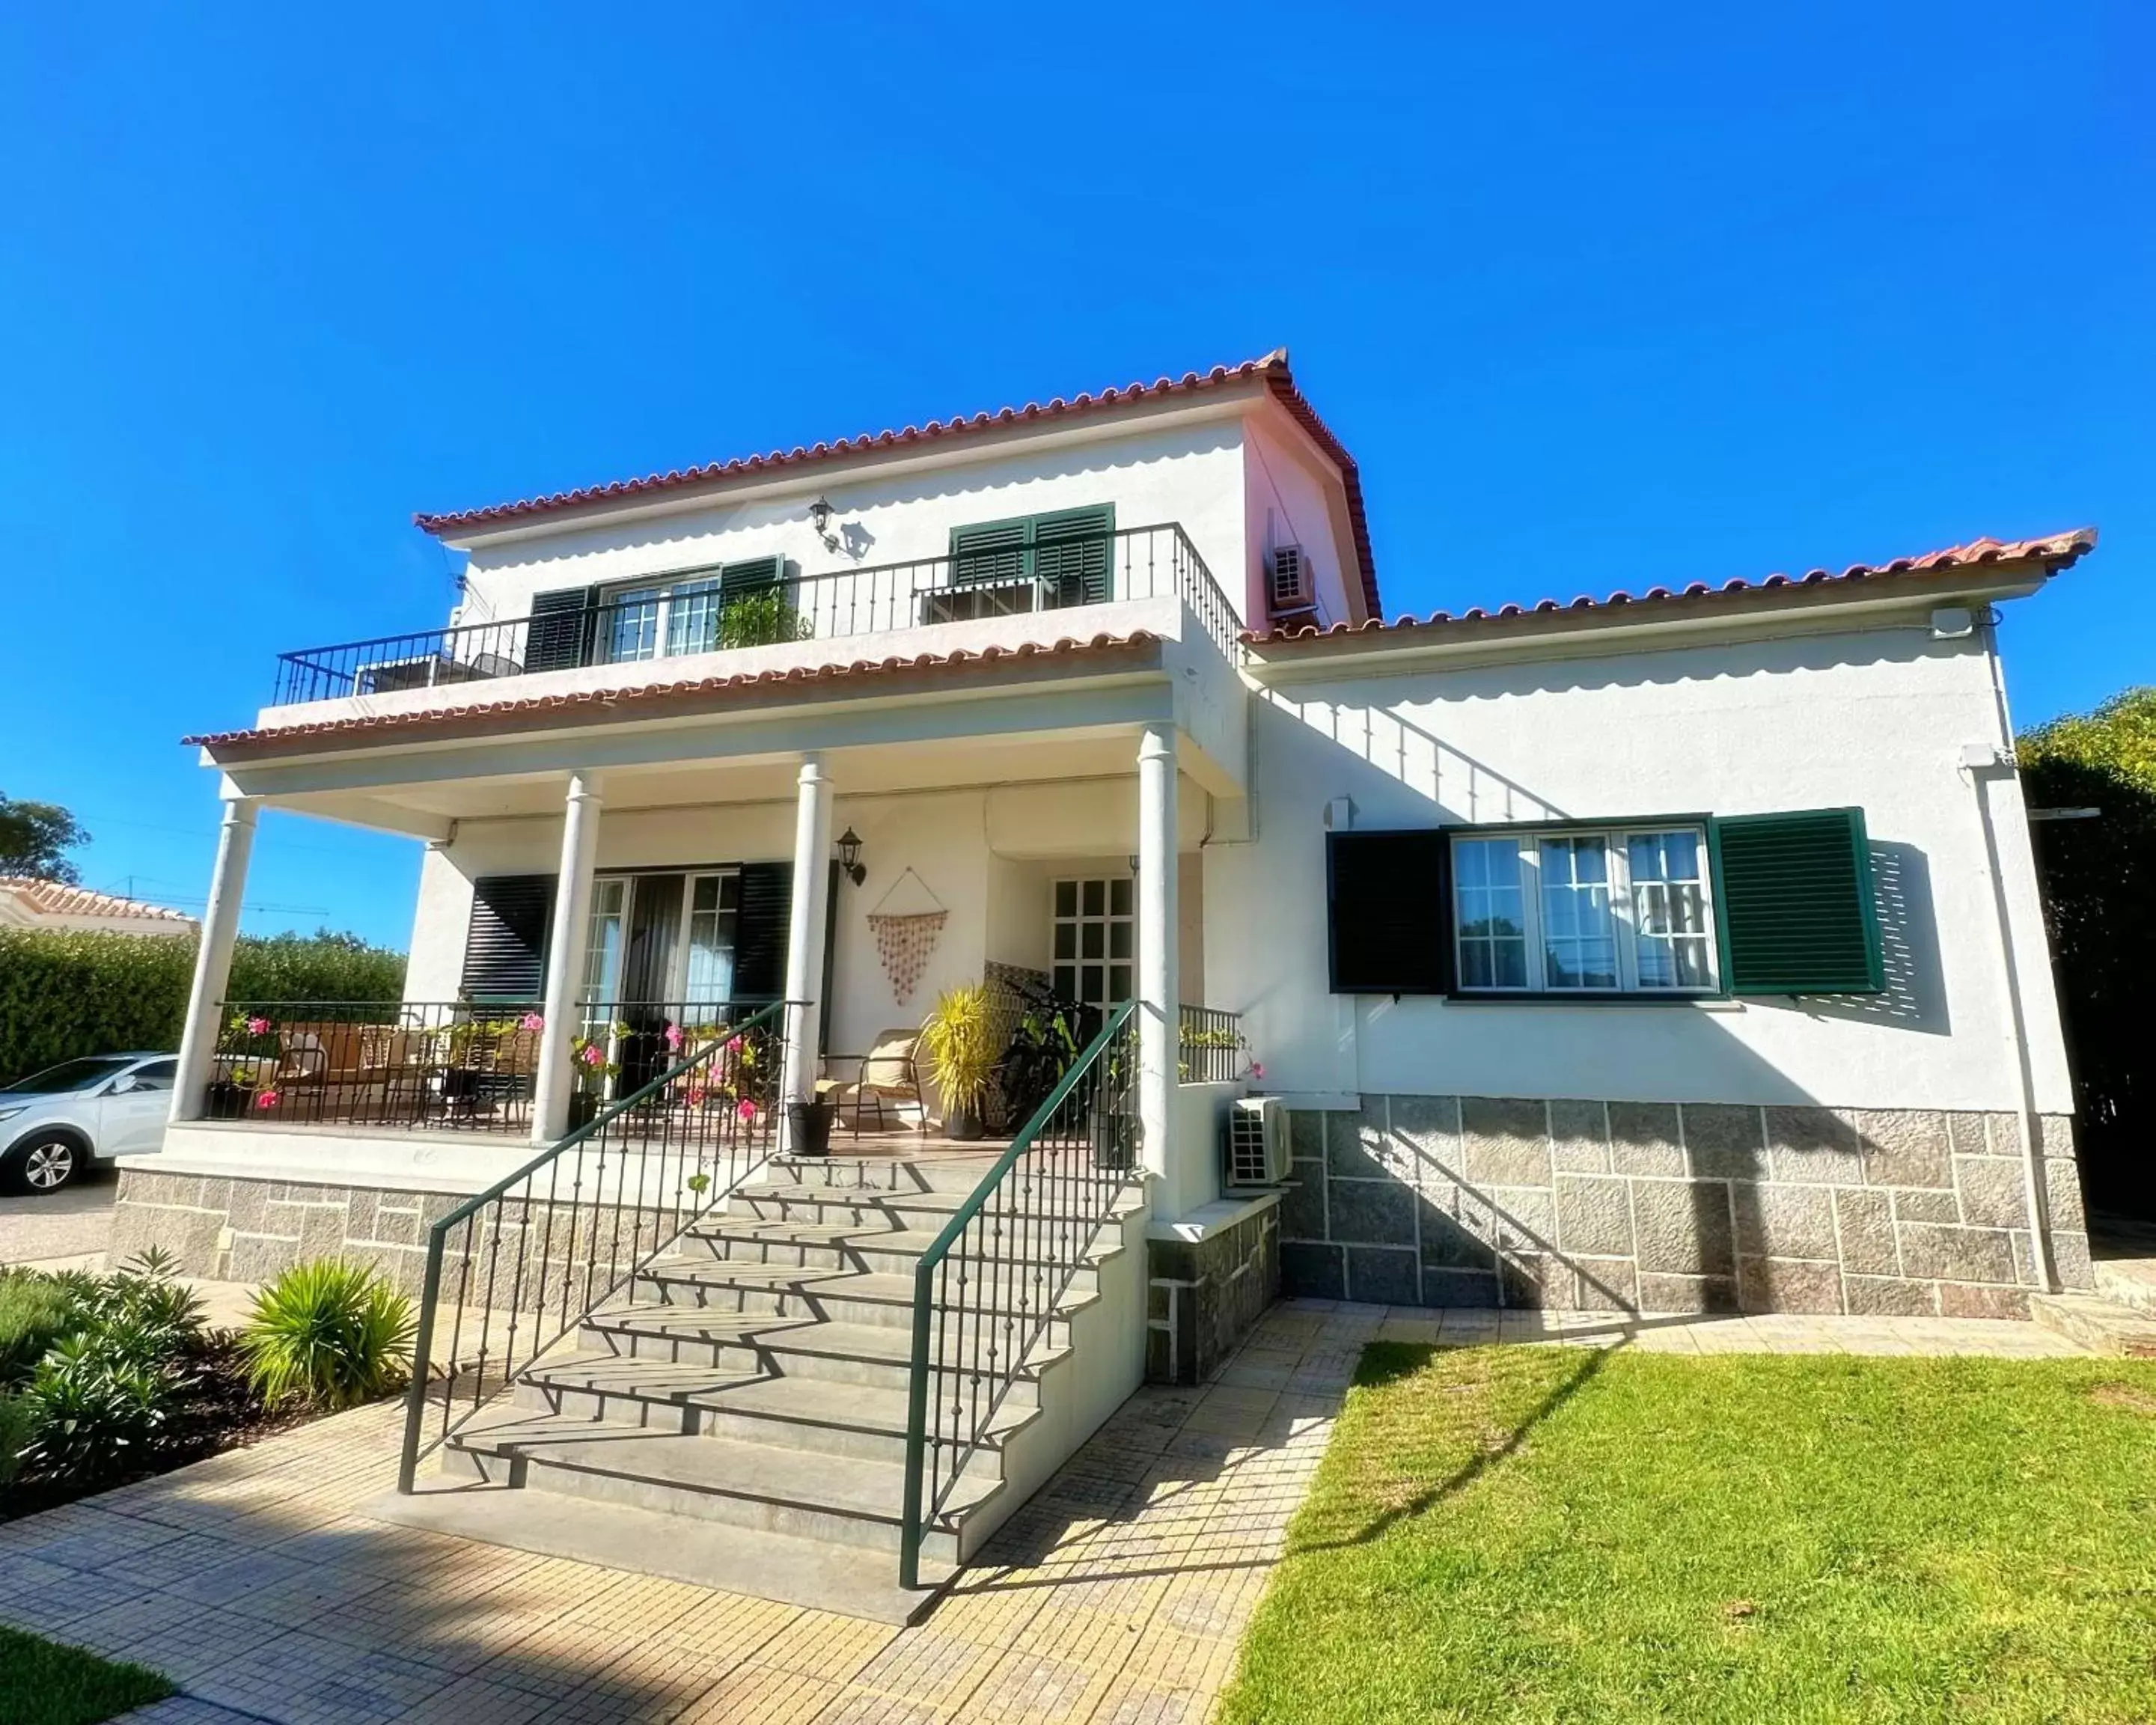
x=2129 y=1282
x=840 y=1296
x=820 y=1245
x=2099 y=1324
x=960 y=1172
x=798 y=1493
x=878 y=1356
x=809 y=1413
x=852 y=1580
x=863 y=1207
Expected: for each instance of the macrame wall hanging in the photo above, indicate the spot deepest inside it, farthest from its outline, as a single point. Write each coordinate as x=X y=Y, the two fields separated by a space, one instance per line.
x=907 y=923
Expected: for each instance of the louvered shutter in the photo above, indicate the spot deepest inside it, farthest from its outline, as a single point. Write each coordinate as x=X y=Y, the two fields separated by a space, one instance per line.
x=760 y=935
x=560 y=635
x=755 y=607
x=1073 y=551
x=506 y=941
x=739 y=580
x=1386 y=911
x=992 y=554
x=1795 y=898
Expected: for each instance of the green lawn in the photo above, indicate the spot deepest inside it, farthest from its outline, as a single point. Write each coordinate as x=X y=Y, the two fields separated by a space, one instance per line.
x=1548 y=1533
x=43 y=1684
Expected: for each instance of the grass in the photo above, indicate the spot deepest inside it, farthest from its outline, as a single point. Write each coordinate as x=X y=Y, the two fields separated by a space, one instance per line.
x=1560 y=1534
x=44 y=1684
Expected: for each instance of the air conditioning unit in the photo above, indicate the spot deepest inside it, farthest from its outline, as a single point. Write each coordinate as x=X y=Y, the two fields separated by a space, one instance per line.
x=1294 y=586
x=1257 y=1141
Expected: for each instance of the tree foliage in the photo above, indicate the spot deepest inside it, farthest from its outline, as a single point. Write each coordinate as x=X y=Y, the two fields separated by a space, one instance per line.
x=35 y=838
x=2099 y=882
x=65 y=994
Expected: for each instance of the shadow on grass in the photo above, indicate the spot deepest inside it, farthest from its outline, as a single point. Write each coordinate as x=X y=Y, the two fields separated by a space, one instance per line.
x=1388 y=1363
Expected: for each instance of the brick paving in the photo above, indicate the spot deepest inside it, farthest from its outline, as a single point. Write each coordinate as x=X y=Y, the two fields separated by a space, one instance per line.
x=1117 y=1596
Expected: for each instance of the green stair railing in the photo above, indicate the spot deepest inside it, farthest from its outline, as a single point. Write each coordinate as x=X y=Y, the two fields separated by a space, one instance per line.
x=513 y=1269
x=990 y=1284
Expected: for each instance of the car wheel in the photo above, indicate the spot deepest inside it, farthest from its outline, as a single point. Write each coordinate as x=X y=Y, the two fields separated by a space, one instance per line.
x=43 y=1165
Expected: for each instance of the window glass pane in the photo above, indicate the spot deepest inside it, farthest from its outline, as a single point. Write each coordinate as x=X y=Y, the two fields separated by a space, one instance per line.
x=1094 y=936
x=1490 y=913
x=1579 y=926
x=1091 y=983
x=603 y=954
x=692 y=621
x=1066 y=940
x=1066 y=981
x=711 y=933
x=1673 y=945
x=1119 y=983
x=1120 y=939
x=634 y=631
x=1119 y=896
x=1094 y=895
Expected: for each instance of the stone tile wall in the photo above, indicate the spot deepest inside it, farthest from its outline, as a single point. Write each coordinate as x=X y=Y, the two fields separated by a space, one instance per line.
x=250 y=1230
x=1204 y=1296
x=1673 y=1207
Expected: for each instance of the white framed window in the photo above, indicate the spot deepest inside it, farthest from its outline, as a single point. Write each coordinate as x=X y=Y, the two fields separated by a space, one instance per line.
x=667 y=620
x=1625 y=911
x=1096 y=940
x=714 y=918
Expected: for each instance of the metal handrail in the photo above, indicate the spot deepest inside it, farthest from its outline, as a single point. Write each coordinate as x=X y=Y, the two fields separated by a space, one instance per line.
x=751 y=1051
x=1211 y=1046
x=1071 y=1136
x=1158 y=561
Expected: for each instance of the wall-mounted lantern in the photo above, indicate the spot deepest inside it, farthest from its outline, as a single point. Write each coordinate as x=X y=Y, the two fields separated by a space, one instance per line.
x=850 y=856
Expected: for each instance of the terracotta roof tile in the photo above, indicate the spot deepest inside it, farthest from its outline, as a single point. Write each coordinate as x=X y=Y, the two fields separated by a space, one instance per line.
x=1273 y=367
x=2057 y=552
x=649 y=694
x=55 y=898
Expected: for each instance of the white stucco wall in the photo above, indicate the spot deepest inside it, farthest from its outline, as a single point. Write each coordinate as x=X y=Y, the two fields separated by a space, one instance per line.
x=1876 y=719
x=1152 y=475
x=1289 y=504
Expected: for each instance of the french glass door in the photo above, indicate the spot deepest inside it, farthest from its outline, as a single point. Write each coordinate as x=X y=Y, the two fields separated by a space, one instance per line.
x=1096 y=941
x=663 y=940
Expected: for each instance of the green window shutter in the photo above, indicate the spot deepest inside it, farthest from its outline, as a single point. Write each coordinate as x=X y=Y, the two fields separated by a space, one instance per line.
x=1386 y=916
x=1069 y=552
x=505 y=941
x=756 y=608
x=992 y=554
x=737 y=580
x=1074 y=554
x=559 y=637
x=1794 y=896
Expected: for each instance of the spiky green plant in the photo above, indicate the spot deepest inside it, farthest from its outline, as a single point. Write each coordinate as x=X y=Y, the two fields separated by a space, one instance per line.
x=35 y=1311
x=328 y=1332
x=22 y=1418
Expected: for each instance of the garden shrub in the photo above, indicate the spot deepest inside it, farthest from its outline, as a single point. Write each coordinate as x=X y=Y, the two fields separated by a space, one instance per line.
x=66 y=994
x=20 y=1420
x=328 y=1332
x=35 y=1311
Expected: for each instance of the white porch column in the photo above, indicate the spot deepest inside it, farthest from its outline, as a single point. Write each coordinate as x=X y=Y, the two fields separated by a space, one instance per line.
x=565 y=957
x=1159 y=1026
x=220 y=928
x=806 y=932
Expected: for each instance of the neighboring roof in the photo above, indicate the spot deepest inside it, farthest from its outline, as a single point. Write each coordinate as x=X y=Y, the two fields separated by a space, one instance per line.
x=666 y=694
x=2056 y=552
x=56 y=899
x=1272 y=367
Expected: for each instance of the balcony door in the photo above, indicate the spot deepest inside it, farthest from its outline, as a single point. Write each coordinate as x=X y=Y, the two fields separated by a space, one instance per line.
x=1096 y=940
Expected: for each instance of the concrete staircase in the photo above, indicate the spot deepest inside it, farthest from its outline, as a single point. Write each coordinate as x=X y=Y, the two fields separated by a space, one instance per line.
x=745 y=1397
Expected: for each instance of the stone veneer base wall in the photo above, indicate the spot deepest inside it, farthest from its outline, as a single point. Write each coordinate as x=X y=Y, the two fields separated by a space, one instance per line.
x=1673 y=1207
x=1203 y=1296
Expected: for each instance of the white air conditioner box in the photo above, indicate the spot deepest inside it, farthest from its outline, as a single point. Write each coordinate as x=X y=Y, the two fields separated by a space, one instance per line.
x=1293 y=587
x=1257 y=1141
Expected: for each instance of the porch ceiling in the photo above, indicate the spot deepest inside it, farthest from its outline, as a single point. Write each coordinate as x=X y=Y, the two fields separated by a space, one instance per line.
x=425 y=808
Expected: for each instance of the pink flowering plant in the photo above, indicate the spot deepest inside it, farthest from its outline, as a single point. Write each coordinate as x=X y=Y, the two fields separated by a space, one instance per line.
x=591 y=1057
x=248 y=1033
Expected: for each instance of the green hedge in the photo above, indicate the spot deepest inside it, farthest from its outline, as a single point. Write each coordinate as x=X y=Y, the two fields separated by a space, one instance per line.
x=66 y=994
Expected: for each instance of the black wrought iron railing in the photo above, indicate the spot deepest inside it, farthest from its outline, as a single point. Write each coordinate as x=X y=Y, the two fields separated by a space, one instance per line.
x=453 y=1065
x=1212 y=1047
x=993 y=1282
x=692 y=611
x=514 y=1269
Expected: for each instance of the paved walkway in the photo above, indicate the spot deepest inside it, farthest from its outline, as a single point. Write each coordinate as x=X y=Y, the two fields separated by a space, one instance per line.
x=1116 y=1597
x=70 y=1226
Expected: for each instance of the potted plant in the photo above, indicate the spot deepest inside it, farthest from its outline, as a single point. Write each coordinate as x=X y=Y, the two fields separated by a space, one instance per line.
x=246 y=1061
x=956 y=1043
x=809 y=1124
x=594 y=1070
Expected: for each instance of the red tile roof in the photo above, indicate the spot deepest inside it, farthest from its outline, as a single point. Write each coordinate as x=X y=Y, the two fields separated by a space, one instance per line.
x=56 y=898
x=649 y=694
x=1273 y=367
x=2057 y=552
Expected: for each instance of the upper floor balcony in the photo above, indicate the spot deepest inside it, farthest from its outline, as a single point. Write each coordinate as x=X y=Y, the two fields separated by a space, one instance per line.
x=1073 y=561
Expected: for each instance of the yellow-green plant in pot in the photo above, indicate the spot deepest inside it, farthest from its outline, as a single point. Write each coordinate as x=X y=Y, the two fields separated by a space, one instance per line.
x=958 y=1044
x=328 y=1332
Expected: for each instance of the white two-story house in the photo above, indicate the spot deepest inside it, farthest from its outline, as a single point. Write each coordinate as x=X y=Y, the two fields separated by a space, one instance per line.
x=1669 y=952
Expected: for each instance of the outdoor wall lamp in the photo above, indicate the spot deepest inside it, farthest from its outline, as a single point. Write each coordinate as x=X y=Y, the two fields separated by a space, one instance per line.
x=819 y=514
x=850 y=856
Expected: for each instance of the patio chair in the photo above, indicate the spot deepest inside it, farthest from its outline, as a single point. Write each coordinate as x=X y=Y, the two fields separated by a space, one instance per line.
x=888 y=1072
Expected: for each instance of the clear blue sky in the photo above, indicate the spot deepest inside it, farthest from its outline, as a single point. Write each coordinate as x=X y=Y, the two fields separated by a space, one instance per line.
x=1601 y=296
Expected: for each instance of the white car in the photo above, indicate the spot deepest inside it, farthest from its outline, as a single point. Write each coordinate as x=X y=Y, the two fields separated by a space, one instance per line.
x=54 y=1123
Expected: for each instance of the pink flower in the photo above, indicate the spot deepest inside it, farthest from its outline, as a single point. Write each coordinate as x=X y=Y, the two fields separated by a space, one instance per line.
x=258 y=1027
x=733 y=1045
x=531 y=1021
x=694 y=1095
x=674 y=1039
x=593 y=1055
x=266 y=1099
x=1257 y=1069
x=746 y=1109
